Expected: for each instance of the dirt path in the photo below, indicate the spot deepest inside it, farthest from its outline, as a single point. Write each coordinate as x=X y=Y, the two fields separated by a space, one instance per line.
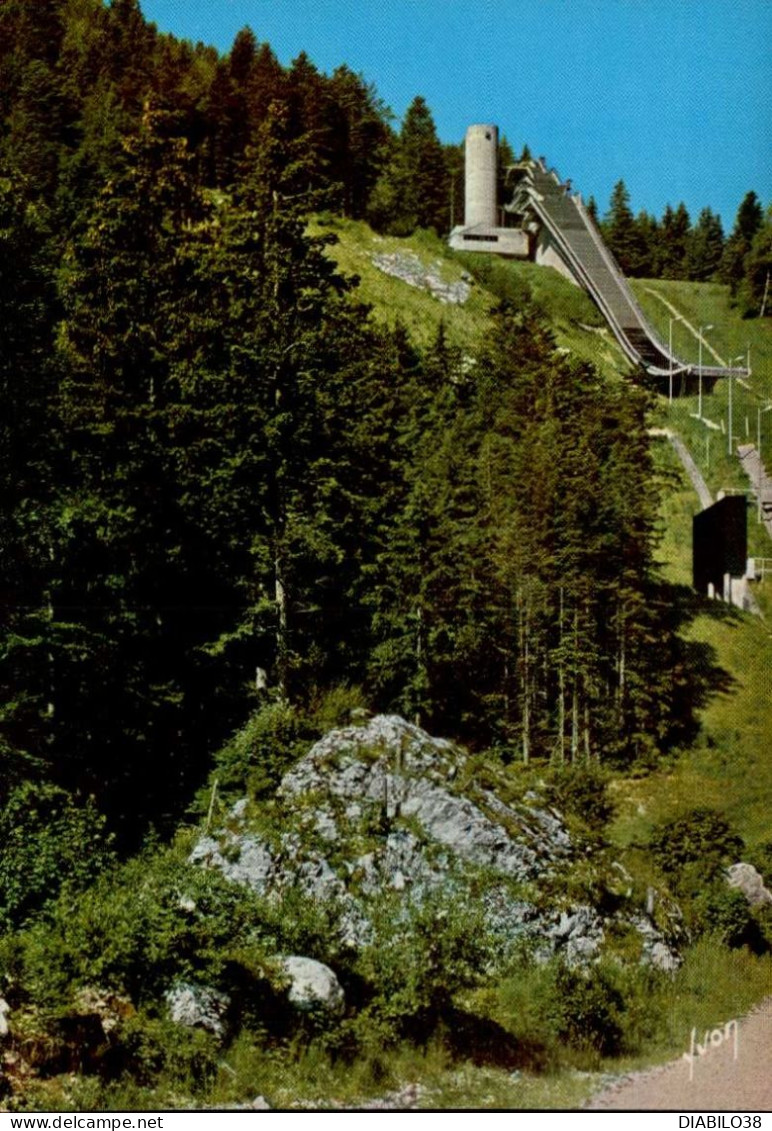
x=690 y=467
x=719 y=1082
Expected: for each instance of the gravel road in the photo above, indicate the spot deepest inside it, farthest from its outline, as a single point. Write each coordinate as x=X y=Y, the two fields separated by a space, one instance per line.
x=719 y=1082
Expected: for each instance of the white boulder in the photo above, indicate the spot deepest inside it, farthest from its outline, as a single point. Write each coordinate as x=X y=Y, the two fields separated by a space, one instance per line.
x=313 y=985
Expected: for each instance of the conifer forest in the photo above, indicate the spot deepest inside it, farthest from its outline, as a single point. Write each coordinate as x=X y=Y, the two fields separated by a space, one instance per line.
x=228 y=491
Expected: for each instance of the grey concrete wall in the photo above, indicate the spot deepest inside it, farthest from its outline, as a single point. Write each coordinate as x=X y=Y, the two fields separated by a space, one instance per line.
x=547 y=255
x=498 y=241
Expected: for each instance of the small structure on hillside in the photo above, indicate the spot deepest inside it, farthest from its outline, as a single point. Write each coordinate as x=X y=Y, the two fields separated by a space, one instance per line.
x=720 y=550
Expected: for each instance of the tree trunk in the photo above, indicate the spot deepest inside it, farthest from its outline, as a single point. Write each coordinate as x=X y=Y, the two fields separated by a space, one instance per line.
x=561 y=689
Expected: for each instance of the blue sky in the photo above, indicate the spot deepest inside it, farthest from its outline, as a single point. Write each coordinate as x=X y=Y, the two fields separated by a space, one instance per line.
x=673 y=96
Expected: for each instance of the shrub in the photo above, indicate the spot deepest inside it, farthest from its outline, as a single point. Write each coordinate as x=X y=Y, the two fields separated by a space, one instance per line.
x=761 y=858
x=693 y=848
x=581 y=790
x=725 y=912
x=588 y=1009
x=47 y=840
x=335 y=707
x=153 y=1047
x=423 y=956
x=257 y=756
x=134 y=932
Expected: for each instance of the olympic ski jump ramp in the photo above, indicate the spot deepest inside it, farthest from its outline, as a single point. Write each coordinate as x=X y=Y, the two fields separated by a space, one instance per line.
x=575 y=237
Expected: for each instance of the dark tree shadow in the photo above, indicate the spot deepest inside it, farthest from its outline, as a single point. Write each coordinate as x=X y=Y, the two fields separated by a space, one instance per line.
x=486 y=1043
x=696 y=677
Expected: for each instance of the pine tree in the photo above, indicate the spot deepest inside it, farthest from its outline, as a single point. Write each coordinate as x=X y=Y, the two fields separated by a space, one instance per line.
x=31 y=148
x=28 y=450
x=122 y=564
x=705 y=247
x=648 y=265
x=360 y=138
x=426 y=164
x=747 y=223
x=621 y=231
x=753 y=292
x=676 y=227
x=413 y=190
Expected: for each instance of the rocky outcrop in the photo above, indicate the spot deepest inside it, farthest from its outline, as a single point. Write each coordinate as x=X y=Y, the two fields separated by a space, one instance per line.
x=384 y=808
x=408 y=267
x=200 y=1007
x=746 y=879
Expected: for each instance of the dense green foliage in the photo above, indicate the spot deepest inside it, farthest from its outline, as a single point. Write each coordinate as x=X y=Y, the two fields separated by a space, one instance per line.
x=413 y=188
x=223 y=483
x=157 y=920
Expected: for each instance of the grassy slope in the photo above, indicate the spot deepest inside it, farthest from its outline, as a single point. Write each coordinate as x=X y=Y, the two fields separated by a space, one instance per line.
x=396 y=301
x=730 y=766
x=575 y=320
x=708 y=304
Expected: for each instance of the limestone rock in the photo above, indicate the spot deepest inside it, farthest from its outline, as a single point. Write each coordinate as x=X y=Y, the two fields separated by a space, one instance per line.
x=408 y=267
x=5 y=1010
x=197 y=1006
x=243 y=860
x=313 y=985
x=750 y=883
x=380 y=812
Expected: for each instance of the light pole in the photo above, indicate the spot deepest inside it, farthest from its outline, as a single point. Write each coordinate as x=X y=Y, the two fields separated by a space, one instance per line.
x=676 y=318
x=759 y=413
x=729 y=429
x=703 y=330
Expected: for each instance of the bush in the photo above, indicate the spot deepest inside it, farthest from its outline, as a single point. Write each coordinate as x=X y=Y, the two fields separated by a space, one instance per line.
x=588 y=1009
x=134 y=932
x=423 y=956
x=257 y=756
x=693 y=849
x=47 y=840
x=335 y=707
x=761 y=859
x=726 y=913
x=581 y=789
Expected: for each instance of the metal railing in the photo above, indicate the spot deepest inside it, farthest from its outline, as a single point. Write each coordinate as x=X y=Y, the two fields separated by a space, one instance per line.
x=759 y=568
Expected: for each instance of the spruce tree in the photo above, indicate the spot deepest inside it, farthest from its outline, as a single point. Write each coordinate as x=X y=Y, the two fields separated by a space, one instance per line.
x=753 y=292
x=28 y=464
x=747 y=223
x=413 y=190
x=621 y=231
x=676 y=226
x=705 y=247
x=122 y=582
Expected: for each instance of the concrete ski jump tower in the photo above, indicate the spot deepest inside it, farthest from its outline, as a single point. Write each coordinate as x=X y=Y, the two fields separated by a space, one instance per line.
x=481 y=169
x=482 y=229
x=545 y=221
